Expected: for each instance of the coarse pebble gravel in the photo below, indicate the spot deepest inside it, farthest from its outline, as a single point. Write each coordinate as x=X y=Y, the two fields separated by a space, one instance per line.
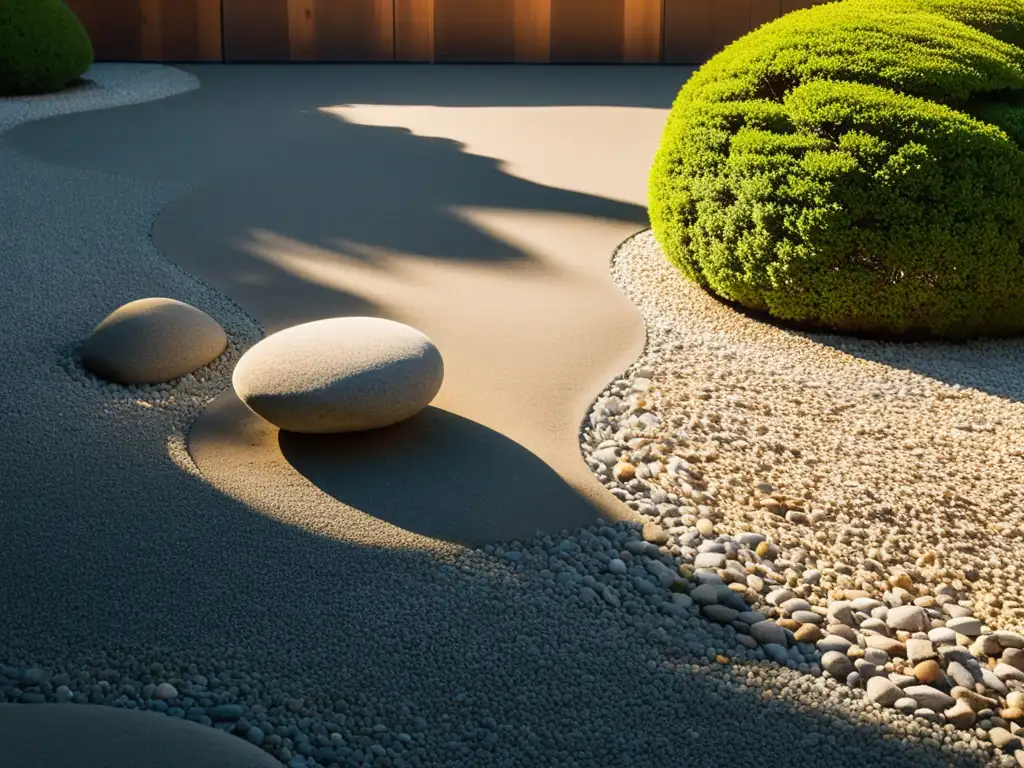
x=127 y=581
x=864 y=495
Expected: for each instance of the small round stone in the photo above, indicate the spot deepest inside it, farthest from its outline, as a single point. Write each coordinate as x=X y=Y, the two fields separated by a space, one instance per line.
x=149 y=341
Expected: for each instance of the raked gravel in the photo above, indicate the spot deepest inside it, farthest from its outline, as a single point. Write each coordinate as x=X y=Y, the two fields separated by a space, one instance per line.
x=128 y=581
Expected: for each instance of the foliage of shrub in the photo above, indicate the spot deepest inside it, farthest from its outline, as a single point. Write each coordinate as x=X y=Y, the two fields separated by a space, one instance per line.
x=856 y=166
x=43 y=47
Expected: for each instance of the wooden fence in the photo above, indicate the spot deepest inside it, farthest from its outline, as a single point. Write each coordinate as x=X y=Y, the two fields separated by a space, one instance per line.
x=529 y=31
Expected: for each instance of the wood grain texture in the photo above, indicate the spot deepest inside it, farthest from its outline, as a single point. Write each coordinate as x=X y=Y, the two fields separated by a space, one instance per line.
x=414 y=30
x=152 y=30
x=353 y=30
x=115 y=27
x=533 y=31
x=763 y=11
x=796 y=5
x=587 y=31
x=302 y=30
x=256 y=30
x=642 y=31
x=696 y=30
x=474 y=31
x=210 y=31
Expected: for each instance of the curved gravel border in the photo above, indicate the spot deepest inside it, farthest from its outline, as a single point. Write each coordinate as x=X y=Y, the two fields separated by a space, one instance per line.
x=807 y=485
x=530 y=653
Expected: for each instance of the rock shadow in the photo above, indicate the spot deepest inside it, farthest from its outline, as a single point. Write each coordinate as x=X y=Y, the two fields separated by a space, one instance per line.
x=440 y=475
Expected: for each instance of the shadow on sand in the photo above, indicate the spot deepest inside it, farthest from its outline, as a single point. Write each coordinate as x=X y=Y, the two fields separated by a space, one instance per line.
x=439 y=475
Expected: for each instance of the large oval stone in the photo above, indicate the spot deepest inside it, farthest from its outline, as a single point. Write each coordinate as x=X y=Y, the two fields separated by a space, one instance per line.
x=150 y=341
x=344 y=374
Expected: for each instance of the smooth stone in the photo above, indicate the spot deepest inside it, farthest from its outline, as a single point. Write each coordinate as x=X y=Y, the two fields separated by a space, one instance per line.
x=776 y=653
x=956 y=611
x=920 y=650
x=709 y=560
x=808 y=633
x=654 y=534
x=617 y=567
x=722 y=614
x=768 y=632
x=874 y=625
x=1003 y=739
x=1005 y=672
x=965 y=625
x=840 y=612
x=1014 y=657
x=876 y=656
x=910 y=618
x=832 y=643
x=705 y=594
x=905 y=705
x=150 y=341
x=960 y=715
x=751 y=617
x=344 y=374
x=806 y=617
x=779 y=596
x=942 y=636
x=991 y=681
x=841 y=630
x=1008 y=639
x=985 y=645
x=795 y=604
x=165 y=691
x=865 y=604
x=928 y=671
x=891 y=646
x=750 y=540
x=929 y=698
x=960 y=674
x=903 y=681
x=1015 y=699
x=975 y=700
x=837 y=664
x=881 y=690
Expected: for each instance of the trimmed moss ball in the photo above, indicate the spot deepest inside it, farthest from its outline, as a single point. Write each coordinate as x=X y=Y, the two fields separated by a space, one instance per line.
x=856 y=167
x=43 y=47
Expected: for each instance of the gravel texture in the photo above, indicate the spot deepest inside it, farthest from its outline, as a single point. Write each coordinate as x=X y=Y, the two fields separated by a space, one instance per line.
x=128 y=581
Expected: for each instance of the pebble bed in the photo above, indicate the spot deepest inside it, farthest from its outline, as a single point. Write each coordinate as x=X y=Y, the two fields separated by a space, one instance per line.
x=695 y=637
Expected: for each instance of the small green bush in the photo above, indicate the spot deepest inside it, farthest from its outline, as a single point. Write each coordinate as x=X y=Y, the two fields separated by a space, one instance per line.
x=857 y=167
x=43 y=47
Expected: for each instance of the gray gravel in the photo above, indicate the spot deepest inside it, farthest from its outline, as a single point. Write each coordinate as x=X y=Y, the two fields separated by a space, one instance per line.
x=128 y=581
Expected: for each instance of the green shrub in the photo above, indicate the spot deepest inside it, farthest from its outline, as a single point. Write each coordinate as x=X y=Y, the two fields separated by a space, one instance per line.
x=857 y=167
x=43 y=47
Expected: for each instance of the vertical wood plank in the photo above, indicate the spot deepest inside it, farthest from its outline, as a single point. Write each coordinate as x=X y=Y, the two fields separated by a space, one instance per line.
x=763 y=11
x=587 y=30
x=256 y=30
x=474 y=31
x=210 y=40
x=787 y=6
x=414 y=30
x=352 y=30
x=151 y=29
x=696 y=30
x=533 y=31
x=302 y=19
x=179 y=30
x=384 y=29
x=115 y=30
x=642 y=31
